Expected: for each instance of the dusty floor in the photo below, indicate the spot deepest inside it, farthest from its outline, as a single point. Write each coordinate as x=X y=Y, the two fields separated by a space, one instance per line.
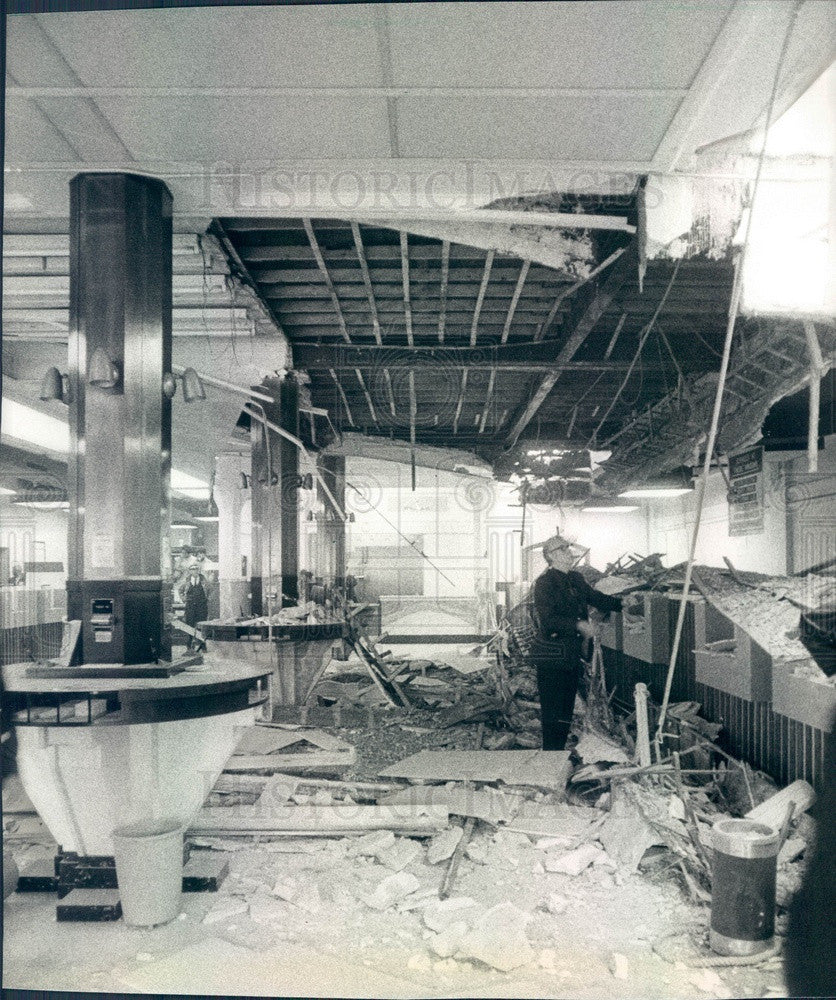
x=292 y=918
x=329 y=942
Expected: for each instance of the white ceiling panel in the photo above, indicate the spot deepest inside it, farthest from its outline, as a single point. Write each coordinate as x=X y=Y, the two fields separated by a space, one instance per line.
x=219 y=46
x=616 y=44
x=31 y=58
x=579 y=128
x=84 y=127
x=30 y=137
x=238 y=128
x=811 y=47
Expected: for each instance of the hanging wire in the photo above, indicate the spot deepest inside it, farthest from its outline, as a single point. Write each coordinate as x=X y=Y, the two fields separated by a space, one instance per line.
x=734 y=307
x=645 y=333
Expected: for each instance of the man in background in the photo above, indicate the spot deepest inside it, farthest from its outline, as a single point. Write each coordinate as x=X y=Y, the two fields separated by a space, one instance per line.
x=561 y=610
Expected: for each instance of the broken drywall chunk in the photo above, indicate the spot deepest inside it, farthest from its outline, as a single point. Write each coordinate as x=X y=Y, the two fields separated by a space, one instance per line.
x=267 y=910
x=391 y=889
x=305 y=895
x=442 y=912
x=575 y=861
x=419 y=962
x=446 y=942
x=370 y=844
x=619 y=966
x=246 y=933
x=498 y=938
x=556 y=903
x=708 y=981
x=402 y=853
x=443 y=845
x=626 y=838
x=225 y=911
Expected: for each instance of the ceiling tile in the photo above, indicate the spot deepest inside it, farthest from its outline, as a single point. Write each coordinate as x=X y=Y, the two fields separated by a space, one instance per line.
x=625 y=127
x=30 y=137
x=207 y=129
x=220 y=46
x=31 y=58
x=615 y=44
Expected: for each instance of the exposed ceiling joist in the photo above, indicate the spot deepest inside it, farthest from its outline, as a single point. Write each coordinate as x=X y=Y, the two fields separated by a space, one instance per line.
x=480 y=298
x=445 y=274
x=515 y=298
x=364 y=267
x=366 y=393
x=583 y=328
x=460 y=402
x=413 y=409
x=488 y=400
x=320 y=260
x=407 y=307
x=343 y=397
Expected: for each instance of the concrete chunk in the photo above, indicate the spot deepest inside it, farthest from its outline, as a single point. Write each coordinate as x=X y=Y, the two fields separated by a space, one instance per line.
x=370 y=844
x=498 y=938
x=402 y=853
x=446 y=943
x=443 y=912
x=575 y=861
x=443 y=844
x=391 y=889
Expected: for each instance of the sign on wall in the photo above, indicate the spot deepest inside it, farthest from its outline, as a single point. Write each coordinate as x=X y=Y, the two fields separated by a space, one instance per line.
x=746 y=492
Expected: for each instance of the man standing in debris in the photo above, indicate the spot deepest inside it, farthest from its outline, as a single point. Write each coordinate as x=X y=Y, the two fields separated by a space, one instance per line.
x=561 y=601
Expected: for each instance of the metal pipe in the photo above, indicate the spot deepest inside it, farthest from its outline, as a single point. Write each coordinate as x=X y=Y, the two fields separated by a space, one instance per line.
x=295 y=440
x=270 y=650
x=221 y=383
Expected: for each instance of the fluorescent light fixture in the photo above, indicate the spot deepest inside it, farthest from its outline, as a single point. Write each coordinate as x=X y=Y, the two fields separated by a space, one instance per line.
x=6 y=492
x=609 y=508
x=663 y=492
x=46 y=504
x=25 y=423
x=183 y=524
x=183 y=482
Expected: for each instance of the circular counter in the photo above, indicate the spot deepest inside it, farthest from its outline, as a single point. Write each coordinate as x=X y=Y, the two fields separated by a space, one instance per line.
x=98 y=753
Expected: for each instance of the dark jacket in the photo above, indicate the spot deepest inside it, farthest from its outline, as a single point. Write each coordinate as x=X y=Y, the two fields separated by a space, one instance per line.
x=561 y=600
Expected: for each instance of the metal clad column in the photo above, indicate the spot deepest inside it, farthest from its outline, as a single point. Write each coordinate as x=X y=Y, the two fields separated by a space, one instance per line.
x=230 y=498
x=333 y=470
x=289 y=491
x=120 y=435
x=266 y=500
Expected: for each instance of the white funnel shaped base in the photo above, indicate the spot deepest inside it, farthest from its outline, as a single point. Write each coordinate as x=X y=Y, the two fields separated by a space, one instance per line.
x=86 y=782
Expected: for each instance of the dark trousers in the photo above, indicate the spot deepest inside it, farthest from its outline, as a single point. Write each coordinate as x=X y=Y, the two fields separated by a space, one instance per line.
x=557 y=681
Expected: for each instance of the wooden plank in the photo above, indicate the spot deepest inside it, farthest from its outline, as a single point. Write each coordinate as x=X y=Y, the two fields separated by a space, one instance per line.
x=305 y=819
x=341 y=391
x=773 y=811
x=545 y=326
x=541 y=768
x=407 y=308
x=488 y=804
x=593 y=312
x=289 y=736
x=364 y=267
x=329 y=283
x=480 y=298
x=445 y=273
x=311 y=761
x=515 y=298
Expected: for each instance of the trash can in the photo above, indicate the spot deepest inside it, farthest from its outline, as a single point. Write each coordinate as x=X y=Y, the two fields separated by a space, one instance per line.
x=743 y=886
x=149 y=871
